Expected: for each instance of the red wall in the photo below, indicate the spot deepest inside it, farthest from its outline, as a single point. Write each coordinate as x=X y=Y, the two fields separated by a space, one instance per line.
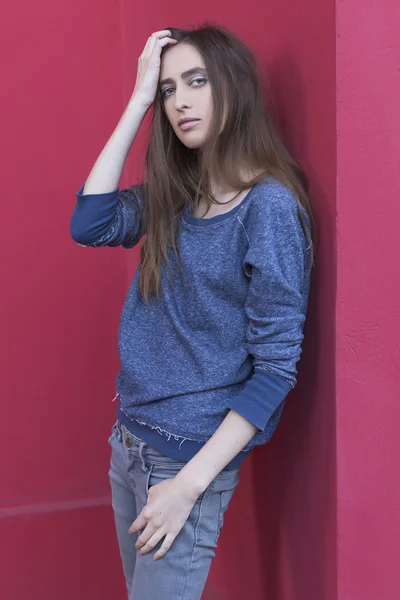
x=66 y=85
x=368 y=314
x=60 y=303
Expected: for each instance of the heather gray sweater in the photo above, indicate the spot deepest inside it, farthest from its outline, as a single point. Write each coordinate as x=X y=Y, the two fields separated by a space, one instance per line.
x=227 y=336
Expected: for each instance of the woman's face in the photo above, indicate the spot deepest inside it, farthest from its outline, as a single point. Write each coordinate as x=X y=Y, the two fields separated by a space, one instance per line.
x=186 y=95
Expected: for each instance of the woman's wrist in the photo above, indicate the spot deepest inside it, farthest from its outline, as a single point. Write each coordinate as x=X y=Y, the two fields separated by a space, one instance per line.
x=190 y=485
x=139 y=101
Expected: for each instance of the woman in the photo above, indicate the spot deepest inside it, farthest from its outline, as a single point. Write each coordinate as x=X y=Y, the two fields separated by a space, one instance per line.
x=208 y=346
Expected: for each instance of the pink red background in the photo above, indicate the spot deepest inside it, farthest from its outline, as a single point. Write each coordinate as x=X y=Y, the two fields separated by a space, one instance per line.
x=316 y=516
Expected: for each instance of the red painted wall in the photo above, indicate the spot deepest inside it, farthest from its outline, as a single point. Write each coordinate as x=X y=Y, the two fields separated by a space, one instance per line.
x=368 y=314
x=60 y=303
x=66 y=85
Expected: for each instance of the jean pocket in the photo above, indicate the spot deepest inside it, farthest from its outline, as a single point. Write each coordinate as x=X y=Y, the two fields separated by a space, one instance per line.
x=224 y=499
x=225 y=485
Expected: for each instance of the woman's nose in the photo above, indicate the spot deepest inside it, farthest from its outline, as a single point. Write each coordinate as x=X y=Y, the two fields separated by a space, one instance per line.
x=180 y=100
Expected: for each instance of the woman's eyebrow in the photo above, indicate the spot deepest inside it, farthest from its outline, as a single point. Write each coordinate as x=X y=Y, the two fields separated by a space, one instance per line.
x=184 y=75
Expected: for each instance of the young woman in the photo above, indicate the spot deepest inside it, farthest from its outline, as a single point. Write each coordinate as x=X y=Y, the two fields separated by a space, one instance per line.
x=212 y=326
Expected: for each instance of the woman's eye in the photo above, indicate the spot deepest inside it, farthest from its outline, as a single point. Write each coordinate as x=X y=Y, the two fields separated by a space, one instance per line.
x=164 y=92
x=200 y=80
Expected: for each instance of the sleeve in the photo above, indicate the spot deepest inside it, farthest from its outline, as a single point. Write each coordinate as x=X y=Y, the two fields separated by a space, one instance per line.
x=277 y=263
x=109 y=219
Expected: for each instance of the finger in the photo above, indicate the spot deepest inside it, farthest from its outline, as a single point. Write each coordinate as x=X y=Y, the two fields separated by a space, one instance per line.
x=162 y=33
x=167 y=40
x=144 y=537
x=152 y=542
x=160 y=43
x=139 y=523
x=148 y=49
x=166 y=545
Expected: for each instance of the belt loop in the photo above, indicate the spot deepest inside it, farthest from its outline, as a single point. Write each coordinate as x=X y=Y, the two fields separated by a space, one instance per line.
x=119 y=430
x=141 y=446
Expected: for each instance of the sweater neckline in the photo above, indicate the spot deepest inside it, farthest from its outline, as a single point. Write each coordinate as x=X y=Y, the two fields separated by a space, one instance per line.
x=205 y=222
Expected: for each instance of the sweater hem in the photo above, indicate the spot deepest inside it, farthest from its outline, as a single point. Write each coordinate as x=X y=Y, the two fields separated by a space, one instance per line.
x=160 y=430
x=169 y=446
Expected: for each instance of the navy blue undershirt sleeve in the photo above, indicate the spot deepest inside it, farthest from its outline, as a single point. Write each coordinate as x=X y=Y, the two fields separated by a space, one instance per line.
x=109 y=219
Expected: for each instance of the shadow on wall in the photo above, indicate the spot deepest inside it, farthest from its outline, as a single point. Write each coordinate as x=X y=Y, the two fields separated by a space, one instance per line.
x=294 y=475
x=210 y=593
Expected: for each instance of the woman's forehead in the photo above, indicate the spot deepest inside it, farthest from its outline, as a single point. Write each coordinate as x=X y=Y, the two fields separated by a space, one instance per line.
x=178 y=59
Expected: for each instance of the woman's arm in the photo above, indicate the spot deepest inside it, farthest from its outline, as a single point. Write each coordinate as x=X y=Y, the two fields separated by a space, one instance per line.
x=231 y=436
x=106 y=172
x=171 y=501
x=276 y=310
x=104 y=215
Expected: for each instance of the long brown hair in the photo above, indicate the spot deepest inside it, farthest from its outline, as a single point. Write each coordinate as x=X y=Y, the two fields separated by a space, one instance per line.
x=175 y=176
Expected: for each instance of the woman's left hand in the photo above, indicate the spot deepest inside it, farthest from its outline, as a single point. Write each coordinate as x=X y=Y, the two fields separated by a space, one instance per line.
x=168 y=507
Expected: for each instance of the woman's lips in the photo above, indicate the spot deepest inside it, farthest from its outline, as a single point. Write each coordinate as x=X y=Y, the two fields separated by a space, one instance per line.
x=189 y=124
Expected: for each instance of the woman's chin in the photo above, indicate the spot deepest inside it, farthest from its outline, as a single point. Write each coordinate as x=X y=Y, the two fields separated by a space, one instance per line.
x=191 y=143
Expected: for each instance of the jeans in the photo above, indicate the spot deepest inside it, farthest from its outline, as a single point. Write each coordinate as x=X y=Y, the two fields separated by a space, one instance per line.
x=182 y=572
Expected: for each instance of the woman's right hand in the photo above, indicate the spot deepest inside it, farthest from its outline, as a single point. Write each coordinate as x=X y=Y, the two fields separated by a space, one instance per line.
x=149 y=64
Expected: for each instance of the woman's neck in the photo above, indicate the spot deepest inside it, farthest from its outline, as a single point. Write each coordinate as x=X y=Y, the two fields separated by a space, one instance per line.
x=222 y=191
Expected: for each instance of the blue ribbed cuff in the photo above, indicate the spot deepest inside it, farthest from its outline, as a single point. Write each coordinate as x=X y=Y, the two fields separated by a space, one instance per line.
x=260 y=397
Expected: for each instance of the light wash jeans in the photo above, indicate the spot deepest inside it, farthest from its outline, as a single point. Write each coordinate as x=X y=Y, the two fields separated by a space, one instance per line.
x=182 y=572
